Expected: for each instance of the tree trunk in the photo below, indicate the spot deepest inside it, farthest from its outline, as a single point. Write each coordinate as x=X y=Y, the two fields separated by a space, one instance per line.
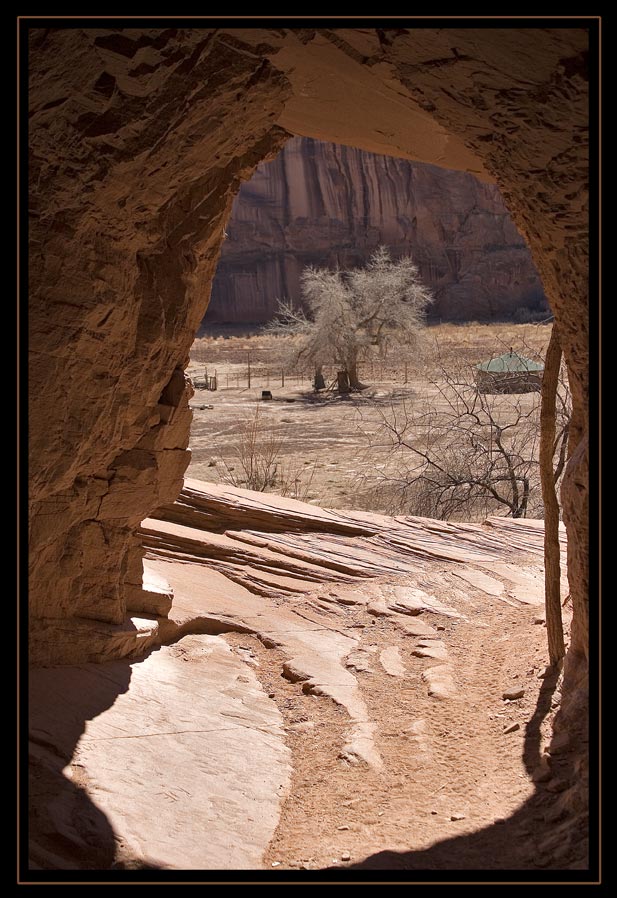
x=342 y=379
x=352 y=373
x=319 y=382
x=552 y=565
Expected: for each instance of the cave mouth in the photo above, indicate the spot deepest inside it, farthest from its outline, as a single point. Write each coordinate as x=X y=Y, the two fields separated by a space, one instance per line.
x=148 y=236
x=126 y=228
x=329 y=206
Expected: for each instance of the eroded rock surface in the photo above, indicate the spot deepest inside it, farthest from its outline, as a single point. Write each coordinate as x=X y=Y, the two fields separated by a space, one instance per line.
x=275 y=692
x=165 y=763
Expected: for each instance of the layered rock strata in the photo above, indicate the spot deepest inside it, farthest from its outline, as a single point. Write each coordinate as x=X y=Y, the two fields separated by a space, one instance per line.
x=278 y=605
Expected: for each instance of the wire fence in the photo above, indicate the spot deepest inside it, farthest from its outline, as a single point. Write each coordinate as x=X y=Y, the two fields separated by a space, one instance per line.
x=256 y=369
x=243 y=377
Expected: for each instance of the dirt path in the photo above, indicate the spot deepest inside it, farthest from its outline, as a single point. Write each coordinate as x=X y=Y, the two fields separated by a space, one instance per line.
x=456 y=775
x=442 y=758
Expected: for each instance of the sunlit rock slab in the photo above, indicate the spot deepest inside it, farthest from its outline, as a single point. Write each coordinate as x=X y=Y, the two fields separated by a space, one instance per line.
x=187 y=763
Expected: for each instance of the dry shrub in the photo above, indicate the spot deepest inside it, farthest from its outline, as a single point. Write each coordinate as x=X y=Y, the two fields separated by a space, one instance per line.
x=258 y=462
x=456 y=453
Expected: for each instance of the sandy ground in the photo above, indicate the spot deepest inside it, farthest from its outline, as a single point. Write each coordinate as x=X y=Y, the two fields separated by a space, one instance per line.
x=449 y=769
x=331 y=447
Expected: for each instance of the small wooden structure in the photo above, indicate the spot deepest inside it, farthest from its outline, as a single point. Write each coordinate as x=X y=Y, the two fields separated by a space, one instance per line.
x=509 y=373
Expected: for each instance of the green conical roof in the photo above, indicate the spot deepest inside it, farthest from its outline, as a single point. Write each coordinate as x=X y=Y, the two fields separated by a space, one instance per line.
x=510 y=361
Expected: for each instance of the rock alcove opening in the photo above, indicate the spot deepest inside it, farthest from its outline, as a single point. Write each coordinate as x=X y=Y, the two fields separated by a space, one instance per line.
x=139 y=140
x=325 y=205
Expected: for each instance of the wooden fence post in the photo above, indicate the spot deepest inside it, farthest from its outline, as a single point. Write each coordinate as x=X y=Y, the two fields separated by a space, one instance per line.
x=552 y=561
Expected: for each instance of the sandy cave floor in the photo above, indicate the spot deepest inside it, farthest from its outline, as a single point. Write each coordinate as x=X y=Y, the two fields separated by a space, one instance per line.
x=441 y=758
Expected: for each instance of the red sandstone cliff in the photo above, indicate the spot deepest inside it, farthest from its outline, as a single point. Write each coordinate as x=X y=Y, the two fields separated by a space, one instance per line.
x=321 y=203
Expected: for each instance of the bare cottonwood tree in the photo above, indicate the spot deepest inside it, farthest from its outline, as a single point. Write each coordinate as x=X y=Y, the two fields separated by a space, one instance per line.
x=350 y=312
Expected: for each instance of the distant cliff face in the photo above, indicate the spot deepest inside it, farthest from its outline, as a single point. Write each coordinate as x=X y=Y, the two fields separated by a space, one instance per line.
x=324 y=204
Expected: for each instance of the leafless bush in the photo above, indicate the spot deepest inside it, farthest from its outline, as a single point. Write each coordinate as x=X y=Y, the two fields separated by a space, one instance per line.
x=256 y=456
x=456 y=453
x=526 y=315
x=295 y=480
x=258 y=462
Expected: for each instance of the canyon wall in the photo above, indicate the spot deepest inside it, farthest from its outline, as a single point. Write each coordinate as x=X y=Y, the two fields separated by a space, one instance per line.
x=324 y=204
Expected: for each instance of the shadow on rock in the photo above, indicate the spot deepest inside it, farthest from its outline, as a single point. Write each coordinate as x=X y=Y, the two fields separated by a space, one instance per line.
x=67 y=831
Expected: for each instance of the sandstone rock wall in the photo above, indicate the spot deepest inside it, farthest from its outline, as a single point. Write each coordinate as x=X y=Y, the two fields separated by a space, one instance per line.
x=320 y=203
x=139 y=139
x=125 y=230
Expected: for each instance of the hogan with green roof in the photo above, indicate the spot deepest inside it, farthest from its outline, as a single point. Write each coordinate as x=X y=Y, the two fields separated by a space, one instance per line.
x=509 y=373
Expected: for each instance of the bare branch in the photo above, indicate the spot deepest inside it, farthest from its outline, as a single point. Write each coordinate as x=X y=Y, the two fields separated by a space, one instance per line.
x=460 y=450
